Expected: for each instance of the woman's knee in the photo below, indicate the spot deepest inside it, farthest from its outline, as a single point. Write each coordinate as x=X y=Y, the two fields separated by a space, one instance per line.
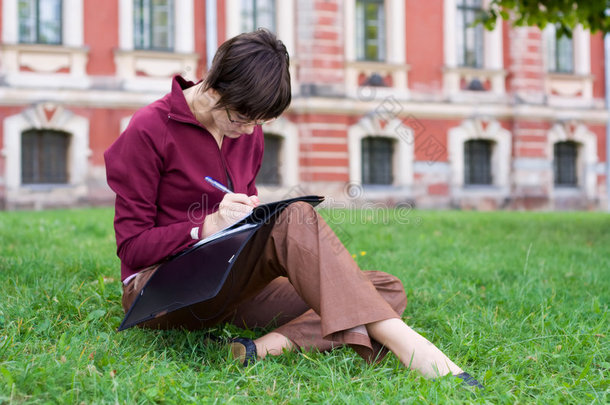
x=299 y=213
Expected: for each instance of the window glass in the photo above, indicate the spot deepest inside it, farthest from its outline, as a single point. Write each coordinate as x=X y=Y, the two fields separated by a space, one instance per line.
x=154 y=24
x=477 y=162
x=469 y=39
x=564 y=163
x=560 y=51
x=257 y=14
x=40 y=21
x=377 y=160
x=44 y=157
x=269 y=173
x=370 y=30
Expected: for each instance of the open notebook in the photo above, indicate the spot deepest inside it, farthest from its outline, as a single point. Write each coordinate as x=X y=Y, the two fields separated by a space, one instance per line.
x=198 y=273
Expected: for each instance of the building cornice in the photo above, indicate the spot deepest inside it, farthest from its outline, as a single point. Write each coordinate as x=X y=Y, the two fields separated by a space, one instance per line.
x=10 y=96
x=445 y=110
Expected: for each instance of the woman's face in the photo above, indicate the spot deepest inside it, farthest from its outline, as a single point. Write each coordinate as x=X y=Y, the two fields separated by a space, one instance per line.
x=236 y=124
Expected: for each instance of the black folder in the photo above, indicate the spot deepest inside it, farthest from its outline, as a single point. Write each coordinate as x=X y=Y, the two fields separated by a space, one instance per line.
x=198 y=273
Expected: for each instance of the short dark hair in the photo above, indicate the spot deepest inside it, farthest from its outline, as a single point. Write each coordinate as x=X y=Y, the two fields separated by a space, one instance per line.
x=250 y=72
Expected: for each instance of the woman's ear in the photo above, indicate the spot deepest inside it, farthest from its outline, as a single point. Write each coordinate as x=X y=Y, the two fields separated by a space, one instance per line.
x=213 y=96
x=213 y=93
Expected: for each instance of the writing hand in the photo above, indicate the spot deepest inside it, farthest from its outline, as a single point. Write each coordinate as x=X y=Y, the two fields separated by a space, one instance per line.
x=232 y=208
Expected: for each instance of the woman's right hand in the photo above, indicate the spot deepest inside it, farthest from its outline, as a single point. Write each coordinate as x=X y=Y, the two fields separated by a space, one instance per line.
x=232 y=208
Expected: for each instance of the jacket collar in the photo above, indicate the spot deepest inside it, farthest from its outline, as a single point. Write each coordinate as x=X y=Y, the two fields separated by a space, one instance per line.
x=179 y=109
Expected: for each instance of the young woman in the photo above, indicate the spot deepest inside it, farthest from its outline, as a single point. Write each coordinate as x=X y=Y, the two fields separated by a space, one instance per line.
x=294 y=271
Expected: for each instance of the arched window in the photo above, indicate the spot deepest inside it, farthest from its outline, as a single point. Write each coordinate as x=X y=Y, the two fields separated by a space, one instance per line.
x=269 y=173
x=477 y=162
x=44 y=156
x=565 y=171
x=377 y=160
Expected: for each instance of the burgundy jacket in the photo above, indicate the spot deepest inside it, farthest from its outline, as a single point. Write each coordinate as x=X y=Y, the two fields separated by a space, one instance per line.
x=157 y=169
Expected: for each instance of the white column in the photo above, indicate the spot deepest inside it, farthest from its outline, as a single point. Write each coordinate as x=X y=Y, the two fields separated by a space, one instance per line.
x=126 y=25
x=10 y=22
x=582 y=51
x=493 y=47
x=285 y=23
x=73 y=17
x=396 y=32
x=211 y=30
x=232 y=9
x=349 y=17
x=184 y=22
x=449 y=16
x=13 y=126
x=79 y=151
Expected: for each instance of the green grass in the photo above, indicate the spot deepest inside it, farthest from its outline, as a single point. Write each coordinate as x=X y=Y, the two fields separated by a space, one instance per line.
x=520 y=300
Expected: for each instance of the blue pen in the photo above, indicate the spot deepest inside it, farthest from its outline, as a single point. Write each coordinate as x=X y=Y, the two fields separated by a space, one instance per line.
x=218 y=185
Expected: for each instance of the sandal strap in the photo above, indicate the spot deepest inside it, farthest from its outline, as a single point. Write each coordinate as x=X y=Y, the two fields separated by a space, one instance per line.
x=250 y=349
x=470 y=380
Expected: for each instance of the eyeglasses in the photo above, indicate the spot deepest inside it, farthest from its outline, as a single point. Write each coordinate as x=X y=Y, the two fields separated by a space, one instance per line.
x=245 y=123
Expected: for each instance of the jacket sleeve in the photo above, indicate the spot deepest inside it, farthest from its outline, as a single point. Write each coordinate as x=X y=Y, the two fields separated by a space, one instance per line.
x=134 y=165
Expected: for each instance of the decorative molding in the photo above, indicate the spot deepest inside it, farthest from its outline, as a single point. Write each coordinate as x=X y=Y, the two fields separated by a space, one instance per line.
x=569 y=89
x=492 y=72
x=44 y=66
x=370 y=101
x=479 y=128
x=586 y=161
x=46 y=116
x=395 y=66
x=403 y=148
x=144 y=70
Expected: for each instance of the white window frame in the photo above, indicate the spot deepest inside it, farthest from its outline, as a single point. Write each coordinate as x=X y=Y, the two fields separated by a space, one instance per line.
x=493 y=63
x=45 y=59
x=289 y=152
x=549 y=35
x=36 y=117
x=382 y=41
x=586 y=161
x=571 y=89
x=284 y=21
x=396 y=61
x=475 y=129
x=158 y=66
x=171 y=29
x=71 y=25
x=37 y=21
x=285 y=31
x=275 y=19
x=403 y=136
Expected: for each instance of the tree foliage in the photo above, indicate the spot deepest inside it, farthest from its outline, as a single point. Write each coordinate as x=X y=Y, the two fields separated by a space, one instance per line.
x=564 y=14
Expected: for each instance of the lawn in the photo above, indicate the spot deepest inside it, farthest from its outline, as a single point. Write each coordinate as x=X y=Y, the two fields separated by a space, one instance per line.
x=518 y=299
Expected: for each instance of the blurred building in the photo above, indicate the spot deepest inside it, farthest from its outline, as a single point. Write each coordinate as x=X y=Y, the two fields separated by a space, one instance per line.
x=394 y=101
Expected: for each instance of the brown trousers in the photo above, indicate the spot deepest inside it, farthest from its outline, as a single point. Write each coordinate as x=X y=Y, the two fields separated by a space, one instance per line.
x=295 y=274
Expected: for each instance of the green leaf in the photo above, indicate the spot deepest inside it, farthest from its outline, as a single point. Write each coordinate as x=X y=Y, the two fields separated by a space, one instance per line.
x=97 y=314
x=7 y=376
